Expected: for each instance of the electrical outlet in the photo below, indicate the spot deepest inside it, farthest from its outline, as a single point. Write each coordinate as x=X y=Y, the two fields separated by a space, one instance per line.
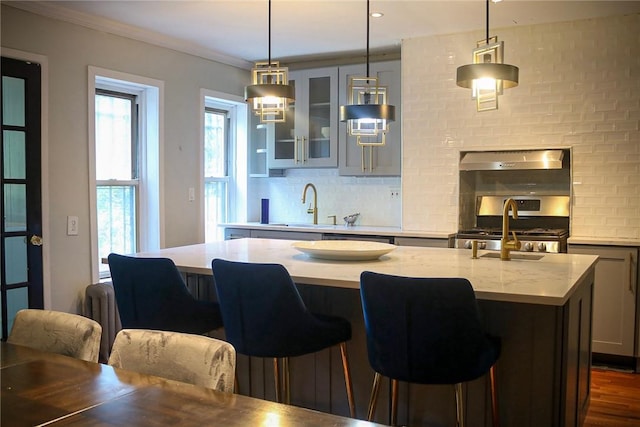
x=395 y=193
x=72 y=226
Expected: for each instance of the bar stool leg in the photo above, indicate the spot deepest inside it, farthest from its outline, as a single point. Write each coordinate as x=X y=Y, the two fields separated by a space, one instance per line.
x=285 y=380
x=276 y=377
x=374 y=396
x=459 y=405
x=347 y=379
x=394 y=402
x=495 y=413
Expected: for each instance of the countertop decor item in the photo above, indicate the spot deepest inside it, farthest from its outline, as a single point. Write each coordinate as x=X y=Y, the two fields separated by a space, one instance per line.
x=344 y=250
x=264 y=211
x=350 y=220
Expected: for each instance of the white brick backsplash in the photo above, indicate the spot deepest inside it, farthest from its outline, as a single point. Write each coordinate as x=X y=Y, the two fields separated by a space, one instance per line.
x=337 y=195
x=579 y=88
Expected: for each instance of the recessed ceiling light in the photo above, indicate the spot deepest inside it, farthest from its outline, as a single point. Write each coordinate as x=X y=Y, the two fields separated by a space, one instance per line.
x=377 y=14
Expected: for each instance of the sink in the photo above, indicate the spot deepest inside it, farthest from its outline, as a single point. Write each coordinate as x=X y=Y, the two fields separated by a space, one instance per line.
x=529 y=257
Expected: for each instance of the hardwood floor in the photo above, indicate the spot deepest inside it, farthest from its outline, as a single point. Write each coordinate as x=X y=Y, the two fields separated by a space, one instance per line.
x=615 y=399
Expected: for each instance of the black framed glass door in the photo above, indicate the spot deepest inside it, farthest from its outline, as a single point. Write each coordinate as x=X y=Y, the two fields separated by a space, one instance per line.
x=21 y=201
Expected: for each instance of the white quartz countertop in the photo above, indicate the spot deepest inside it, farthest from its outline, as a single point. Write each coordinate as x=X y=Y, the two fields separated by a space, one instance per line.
x=550 y=280
x=604 y=241
x=341 y=229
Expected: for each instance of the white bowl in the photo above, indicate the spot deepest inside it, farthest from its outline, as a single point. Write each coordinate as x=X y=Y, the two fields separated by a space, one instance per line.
x=344 y=250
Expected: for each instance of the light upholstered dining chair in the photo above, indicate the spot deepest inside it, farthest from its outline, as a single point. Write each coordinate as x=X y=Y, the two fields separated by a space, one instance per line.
x=189 y=358
x=57 y=332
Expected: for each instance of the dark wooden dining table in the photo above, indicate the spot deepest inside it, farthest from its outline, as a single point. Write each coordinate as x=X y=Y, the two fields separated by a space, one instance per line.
x=40 y=388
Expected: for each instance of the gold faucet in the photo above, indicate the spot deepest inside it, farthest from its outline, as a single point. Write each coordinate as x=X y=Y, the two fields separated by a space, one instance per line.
x=312 y=210
x=507 y=245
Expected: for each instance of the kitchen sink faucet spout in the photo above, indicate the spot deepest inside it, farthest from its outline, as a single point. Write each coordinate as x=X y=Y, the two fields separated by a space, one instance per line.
x=507 y=245
x=312 y=210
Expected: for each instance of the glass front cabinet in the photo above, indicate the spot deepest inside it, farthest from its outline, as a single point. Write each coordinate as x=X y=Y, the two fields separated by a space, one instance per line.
x=309 y=136
x=384 y=160
x=257 y=155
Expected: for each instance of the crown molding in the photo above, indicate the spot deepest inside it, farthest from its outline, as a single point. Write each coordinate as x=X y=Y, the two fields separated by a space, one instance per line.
x=124 y=30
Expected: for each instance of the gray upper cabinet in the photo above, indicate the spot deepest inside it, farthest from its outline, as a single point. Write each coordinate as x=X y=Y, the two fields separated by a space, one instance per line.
x=383 y=160
x=309 y=136
x=257 y=155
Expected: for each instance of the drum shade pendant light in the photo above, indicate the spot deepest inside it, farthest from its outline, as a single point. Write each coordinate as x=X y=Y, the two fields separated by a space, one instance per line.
x=367 y=115
x=487 y=76
x=270 y=92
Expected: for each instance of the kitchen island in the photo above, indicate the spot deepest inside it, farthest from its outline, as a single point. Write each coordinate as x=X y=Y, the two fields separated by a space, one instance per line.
x=541 y=308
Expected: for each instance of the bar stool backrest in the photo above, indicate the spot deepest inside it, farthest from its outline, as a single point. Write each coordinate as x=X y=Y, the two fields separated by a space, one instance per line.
x=264 y=315
x=151 y=294
x=425 y=330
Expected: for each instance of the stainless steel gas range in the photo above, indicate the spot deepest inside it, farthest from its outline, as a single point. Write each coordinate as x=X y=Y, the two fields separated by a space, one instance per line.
x=542 y=224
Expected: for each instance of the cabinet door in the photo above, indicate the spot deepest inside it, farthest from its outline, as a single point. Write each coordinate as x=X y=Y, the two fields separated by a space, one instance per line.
x=319 y=126
x=282 y=143
x=257 y=155
x=309 y=136
x=423 y=242
x=376 y=161
x=614 y=298
x=285 y=235
x=236 y=233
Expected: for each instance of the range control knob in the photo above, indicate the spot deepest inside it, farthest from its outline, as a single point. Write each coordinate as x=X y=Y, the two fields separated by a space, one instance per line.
x=542 y=247
x=528 y=246
x=468 y=244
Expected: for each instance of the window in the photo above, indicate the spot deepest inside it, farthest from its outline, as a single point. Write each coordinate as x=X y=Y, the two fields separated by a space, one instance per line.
x=216 y=170
x=116 y=128
x=125 y=137
x=224 y=169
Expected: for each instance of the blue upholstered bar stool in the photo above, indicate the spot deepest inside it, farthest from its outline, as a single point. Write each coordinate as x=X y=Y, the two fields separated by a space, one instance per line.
x=151 y=294
x=264 y=316
x=425 y=331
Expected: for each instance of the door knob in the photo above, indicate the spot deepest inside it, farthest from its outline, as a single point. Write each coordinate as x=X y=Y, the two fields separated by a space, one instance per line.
x=36 y=240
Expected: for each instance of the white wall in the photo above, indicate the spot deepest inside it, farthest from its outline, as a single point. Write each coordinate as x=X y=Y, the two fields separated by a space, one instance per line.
x=579 y=88
x=70 y=49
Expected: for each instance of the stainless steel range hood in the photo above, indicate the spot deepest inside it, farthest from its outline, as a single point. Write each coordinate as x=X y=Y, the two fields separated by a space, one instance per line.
x=511 y=160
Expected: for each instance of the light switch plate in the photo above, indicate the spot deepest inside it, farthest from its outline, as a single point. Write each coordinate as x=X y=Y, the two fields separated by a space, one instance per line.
x=72 y=226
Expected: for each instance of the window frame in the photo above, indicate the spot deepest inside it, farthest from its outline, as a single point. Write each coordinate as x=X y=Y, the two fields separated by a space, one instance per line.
x=237 y=172
x=150 y=212
x=136 y=155
x=225 y=177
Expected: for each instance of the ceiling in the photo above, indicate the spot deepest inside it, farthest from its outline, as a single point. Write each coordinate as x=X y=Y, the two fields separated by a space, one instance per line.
x=236 y=31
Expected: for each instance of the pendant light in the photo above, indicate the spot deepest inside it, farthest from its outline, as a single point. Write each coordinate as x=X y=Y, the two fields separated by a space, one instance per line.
x=270 y=92
x=367 y=115
x=487 y=76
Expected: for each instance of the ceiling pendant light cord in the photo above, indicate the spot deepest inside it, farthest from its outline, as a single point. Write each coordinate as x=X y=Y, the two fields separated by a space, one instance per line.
x=367 y=38
x=487 y=35
x=269 y=33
